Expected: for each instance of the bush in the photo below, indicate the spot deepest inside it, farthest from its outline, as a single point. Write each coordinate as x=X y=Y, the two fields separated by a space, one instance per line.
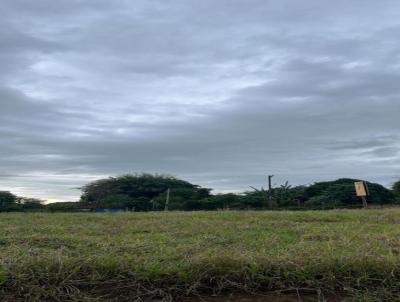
x=182 y=199
x=222 y=201
x=62 y=206
x=321 y=202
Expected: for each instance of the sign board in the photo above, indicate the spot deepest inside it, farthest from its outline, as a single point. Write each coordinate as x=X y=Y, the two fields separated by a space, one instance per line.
x=361 y=188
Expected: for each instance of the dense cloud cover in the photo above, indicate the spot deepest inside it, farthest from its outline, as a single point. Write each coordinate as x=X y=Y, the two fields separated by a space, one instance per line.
x=220 y=93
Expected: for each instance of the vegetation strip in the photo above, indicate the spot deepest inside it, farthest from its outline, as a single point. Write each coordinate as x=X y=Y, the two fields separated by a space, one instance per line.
x=148 y=192
x=122 y=256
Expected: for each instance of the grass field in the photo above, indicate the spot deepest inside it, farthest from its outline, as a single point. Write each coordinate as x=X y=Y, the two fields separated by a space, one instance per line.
x=127 y=256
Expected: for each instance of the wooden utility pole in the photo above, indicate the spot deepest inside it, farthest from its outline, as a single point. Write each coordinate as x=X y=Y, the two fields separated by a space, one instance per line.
x=167 y=200
x=270 y=203
x=364 y=201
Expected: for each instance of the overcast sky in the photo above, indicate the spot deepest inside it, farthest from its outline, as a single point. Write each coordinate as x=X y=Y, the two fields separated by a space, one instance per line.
x=218 y=92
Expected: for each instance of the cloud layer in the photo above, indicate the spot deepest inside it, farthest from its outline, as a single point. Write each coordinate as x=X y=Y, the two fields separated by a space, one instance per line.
x=221 y=93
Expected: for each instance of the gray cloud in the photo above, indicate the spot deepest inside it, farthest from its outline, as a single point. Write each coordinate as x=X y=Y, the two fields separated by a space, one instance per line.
x=218 y=92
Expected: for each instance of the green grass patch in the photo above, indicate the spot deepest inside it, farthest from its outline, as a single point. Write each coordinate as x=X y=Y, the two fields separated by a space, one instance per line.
x=127 y=256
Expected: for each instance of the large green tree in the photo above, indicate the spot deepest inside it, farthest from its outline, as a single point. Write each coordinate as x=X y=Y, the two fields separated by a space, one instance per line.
x=141 y=192
x=341 y=192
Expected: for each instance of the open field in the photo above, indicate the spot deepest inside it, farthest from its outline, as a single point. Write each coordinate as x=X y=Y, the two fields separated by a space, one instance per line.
x=124 y=256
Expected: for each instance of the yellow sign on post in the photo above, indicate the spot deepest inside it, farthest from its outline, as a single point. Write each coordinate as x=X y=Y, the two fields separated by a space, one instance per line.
x=362 y=191
x=361 y=188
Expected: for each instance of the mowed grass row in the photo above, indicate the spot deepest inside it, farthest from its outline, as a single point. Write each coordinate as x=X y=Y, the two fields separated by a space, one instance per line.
x=125 y=256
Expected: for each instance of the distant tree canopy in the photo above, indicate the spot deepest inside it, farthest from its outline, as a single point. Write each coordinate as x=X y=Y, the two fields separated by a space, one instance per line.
x=63 y=206
x=284 y=196
x=222 y=201
x=147 y=192
x=7 y=197
x=7 y=200
x=142 y=192
x=10 y=203
x=342 y=192
x=31 y=203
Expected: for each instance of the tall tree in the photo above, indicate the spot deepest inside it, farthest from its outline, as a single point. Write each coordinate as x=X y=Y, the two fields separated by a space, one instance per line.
x=136 y=191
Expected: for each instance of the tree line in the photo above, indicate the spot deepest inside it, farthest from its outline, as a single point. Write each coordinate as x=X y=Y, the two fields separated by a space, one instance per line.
x=12 y=203
x=148 y=192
